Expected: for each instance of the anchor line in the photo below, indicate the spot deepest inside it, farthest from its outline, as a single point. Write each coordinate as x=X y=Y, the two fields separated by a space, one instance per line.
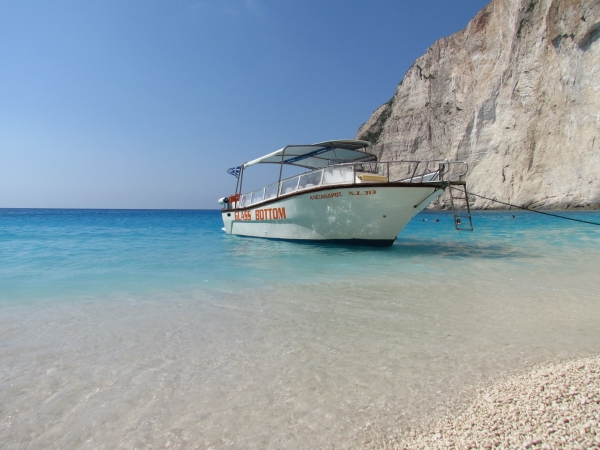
x=533 y=210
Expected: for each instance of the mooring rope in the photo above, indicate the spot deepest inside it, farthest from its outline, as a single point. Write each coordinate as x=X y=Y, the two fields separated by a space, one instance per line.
x=533 y=210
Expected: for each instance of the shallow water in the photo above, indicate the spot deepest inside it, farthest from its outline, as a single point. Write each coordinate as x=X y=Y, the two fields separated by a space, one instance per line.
x=124 y=329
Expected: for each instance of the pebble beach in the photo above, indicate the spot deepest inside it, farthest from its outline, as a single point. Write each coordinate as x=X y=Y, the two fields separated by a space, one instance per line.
x=550 y=407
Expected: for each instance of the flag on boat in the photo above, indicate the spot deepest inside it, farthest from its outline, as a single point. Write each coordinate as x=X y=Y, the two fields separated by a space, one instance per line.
x=235 y=171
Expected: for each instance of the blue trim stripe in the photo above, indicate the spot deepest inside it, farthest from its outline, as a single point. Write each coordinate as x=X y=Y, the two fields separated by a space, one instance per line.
x=308 y=155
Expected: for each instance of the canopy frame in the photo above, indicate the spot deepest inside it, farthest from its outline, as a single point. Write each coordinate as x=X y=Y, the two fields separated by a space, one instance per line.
x=313 y=156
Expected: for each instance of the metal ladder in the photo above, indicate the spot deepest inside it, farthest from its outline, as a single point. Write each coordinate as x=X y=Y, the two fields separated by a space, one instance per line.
x=461 y=209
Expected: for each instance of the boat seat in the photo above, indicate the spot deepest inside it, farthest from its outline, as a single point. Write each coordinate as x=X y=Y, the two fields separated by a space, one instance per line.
x=371 y=177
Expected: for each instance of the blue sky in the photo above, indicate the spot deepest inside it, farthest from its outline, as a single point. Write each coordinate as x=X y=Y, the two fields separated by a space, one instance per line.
x=146 y=103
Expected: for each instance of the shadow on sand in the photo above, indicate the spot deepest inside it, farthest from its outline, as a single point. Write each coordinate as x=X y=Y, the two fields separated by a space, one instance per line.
x=402 y=248
x=458 y=249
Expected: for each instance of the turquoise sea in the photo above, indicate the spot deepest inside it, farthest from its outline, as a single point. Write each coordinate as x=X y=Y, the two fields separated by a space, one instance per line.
x=154 y=329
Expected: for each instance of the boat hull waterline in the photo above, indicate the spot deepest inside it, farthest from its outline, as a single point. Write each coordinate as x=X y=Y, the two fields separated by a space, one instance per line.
x=359 y=214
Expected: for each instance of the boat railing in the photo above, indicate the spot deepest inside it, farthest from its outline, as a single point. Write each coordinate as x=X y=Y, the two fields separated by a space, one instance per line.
x=424 y=171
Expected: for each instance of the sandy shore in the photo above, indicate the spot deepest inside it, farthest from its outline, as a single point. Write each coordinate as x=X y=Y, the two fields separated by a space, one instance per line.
x=554 y=406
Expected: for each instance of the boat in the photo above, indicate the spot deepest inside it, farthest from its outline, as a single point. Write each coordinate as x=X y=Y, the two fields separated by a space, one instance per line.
x=345 y=195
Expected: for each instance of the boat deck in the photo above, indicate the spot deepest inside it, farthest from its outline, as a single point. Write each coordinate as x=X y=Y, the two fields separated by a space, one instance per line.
x=431 y=173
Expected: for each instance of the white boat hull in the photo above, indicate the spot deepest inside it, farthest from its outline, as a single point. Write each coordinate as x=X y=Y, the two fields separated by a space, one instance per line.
x=359 y=214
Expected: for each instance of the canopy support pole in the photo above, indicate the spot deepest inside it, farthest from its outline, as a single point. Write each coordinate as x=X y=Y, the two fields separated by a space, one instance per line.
x=280 y=172
x=241 y=179
x=237 y=184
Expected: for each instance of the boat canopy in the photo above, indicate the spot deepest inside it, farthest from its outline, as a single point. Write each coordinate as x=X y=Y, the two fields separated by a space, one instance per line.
x=318 y=155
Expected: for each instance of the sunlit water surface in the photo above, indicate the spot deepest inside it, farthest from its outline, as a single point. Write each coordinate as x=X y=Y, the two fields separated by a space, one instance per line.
x=124 y=329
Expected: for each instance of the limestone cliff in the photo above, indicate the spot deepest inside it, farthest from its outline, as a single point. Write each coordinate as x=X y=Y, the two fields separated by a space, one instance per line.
x=516 y=94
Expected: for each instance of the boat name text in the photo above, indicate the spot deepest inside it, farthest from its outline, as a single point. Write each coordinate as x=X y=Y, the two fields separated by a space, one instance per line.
x=261 y=214
x=373 y=192
x=330 y=195
x=242 y=215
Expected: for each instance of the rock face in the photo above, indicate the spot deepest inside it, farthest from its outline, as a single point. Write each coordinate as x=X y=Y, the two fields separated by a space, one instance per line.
x=516 y=94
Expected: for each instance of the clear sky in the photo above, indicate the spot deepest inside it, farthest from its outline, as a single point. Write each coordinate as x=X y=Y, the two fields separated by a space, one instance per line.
x=146 y=103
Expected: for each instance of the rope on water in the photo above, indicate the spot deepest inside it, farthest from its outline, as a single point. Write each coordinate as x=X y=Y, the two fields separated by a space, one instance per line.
x=534 y=210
